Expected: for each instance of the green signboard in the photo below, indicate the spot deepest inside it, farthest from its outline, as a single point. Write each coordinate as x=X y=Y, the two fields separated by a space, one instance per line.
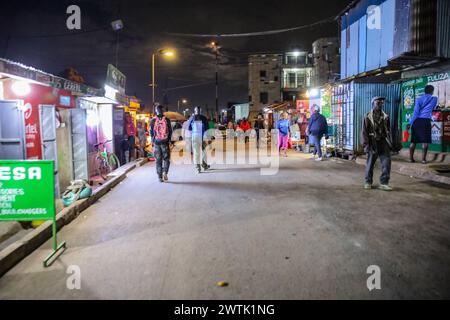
x=27 y=190
x=27 y=194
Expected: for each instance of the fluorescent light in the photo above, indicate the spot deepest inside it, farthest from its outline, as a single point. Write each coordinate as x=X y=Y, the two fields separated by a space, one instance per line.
x=313 y=92
x=21 y=88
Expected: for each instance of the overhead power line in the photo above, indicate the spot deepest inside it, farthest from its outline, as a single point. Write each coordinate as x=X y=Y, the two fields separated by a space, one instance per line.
x=253 y=34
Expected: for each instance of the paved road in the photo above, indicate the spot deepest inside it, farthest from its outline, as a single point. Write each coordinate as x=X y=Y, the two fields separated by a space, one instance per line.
x=308 y=232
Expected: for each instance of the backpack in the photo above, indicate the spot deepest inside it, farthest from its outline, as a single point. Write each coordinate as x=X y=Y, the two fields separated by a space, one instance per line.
x=161 y=130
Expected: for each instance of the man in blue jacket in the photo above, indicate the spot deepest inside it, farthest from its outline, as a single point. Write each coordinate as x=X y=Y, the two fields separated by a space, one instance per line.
x=317 y=128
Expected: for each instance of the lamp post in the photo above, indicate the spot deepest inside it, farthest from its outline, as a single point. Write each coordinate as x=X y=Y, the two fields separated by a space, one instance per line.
x=215 y=47
x=117 y=25
x=183 y=101
x=163 y=52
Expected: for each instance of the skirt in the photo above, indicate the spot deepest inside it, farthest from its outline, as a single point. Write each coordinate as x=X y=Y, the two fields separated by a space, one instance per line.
x=421 y=131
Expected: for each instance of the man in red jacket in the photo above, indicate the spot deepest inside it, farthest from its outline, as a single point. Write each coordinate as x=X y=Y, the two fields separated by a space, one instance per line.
x=245 y=126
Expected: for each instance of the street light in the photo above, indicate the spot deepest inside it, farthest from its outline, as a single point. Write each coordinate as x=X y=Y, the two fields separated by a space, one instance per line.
x=163 y=52
x=183 y=101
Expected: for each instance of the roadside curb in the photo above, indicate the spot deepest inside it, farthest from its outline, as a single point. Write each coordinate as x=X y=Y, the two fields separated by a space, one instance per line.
x=17 y=251
x=412 y=170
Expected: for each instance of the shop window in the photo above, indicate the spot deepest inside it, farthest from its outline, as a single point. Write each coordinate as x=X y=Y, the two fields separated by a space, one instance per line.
x=264 y=97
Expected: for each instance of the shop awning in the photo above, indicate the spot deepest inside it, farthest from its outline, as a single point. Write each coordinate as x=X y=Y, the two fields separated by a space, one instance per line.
x=175 y=116
x=101 y=100
x=277 y=106
x=15 y=69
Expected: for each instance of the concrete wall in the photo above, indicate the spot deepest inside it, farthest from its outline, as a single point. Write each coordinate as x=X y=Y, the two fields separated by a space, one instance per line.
x=271 y=63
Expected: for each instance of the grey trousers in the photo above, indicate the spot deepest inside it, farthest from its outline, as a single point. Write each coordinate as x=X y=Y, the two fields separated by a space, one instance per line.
x=384 y=153
x=162 y=155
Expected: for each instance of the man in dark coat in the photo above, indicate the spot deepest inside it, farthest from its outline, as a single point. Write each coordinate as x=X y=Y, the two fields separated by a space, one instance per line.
x=377 y=143
x=317 y=128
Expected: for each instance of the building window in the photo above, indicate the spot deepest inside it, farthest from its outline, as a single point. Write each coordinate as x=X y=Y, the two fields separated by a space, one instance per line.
x=249 y=98
x=262 y=73
x=264 y=97
x=275 y=78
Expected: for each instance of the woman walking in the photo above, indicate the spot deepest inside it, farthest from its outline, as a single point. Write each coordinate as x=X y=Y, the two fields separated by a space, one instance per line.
x=283 y=133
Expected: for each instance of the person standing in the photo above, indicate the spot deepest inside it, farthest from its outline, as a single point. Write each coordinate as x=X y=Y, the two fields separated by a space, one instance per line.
x=259 y=125
x=161 y=133
x=420 y=123
x=130 y=130
x=142 y=136
x=198 y=125
x=317 y=128
x=284 y=129
x=377 y=143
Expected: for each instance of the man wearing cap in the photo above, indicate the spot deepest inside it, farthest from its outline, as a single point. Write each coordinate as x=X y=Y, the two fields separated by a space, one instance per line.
x=376 y=140
x=317 y=128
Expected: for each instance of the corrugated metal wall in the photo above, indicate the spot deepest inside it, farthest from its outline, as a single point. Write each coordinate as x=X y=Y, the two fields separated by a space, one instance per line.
x=443 y=31
x=424 y=27
x=364 y=92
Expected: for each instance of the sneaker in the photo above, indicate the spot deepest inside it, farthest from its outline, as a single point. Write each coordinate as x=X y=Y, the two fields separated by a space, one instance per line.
x=319 y=159
x=206 y=167
x=368 y=186
x=385 y=187
x=161 y=179
x=198 y=169
x=165 y=177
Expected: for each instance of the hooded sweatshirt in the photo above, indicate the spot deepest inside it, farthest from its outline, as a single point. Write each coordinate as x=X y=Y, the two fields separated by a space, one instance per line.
x=318 y=125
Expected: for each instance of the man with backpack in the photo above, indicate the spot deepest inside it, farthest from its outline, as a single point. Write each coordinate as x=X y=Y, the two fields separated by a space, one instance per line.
x=198 y=125
x=161 y=133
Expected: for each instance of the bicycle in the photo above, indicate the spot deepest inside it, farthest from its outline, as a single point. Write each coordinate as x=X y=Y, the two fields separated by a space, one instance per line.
x=105 y=161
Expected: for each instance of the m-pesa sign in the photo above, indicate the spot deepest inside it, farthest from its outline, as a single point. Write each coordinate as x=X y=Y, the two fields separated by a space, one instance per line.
x=27 y=190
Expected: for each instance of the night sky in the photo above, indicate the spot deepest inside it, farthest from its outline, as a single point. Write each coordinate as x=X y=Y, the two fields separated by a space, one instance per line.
x=35 y=33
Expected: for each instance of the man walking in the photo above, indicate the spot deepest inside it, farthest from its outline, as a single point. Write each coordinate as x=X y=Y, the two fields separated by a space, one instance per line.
x=421 y=123
x=317 y=128
x=161 y=133
x=198 y=125
x=376 y=139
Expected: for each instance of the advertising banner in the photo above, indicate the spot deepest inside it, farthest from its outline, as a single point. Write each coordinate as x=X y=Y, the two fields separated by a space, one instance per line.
x=27 y=190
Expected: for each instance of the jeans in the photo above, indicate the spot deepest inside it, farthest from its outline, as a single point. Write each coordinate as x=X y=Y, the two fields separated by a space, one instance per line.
x=316 y=140
x=131 y=147
x=384 y=153
x=162 y=155
x=198 y=148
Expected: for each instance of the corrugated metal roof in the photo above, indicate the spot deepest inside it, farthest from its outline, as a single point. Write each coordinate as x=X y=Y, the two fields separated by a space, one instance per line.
x=443 y=32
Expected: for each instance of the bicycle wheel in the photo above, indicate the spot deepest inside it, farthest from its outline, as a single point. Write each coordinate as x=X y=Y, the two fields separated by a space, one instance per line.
x=101 y=169
x=114 y=162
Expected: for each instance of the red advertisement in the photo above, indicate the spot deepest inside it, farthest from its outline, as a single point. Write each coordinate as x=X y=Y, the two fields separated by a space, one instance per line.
x=32 y=132
x=303 y=106
x=446 y=127
x=38 y=95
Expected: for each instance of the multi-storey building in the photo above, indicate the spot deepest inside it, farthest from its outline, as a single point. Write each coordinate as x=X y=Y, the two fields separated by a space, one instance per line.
x=326 y=61
x=297 y=72
x=264 y=80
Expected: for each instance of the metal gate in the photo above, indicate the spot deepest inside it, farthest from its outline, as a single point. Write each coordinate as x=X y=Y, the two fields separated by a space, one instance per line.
x=12 y=132
x=79 y=144
x=48 y=139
